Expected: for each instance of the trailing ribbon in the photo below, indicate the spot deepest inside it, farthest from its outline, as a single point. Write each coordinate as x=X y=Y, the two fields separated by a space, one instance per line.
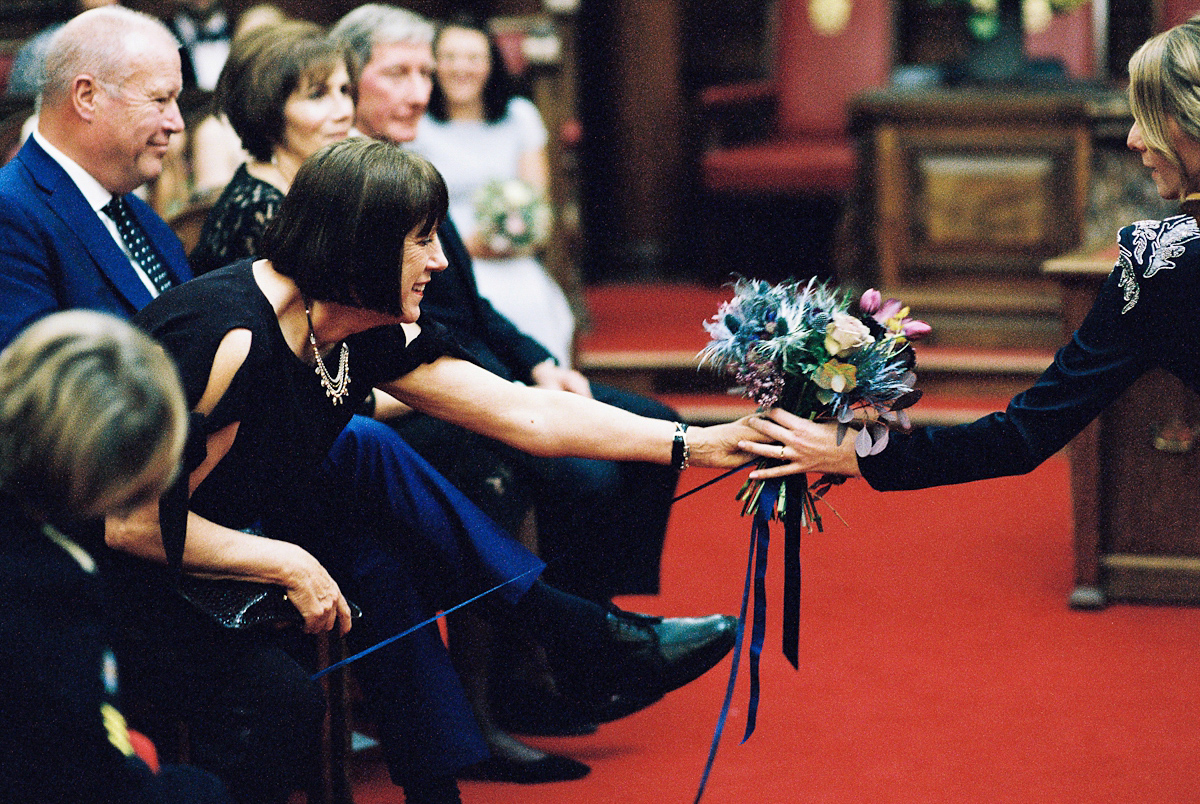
x=794 y=487
x=733 y=670
x=405 y=633
x=760 y=540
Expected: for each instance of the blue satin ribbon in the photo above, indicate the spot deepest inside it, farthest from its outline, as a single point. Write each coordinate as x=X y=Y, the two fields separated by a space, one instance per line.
x=733 y=671
x=760 y=536
x=795 y=487
x=433 y=619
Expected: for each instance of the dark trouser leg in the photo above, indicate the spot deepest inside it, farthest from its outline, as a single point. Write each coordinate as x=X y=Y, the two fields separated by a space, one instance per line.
x=601 y=523
x=403 y=543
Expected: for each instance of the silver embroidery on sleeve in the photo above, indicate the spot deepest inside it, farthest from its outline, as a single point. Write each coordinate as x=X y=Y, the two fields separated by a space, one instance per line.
x=1128 y=283
x=1173 y=236
x=1156 y=245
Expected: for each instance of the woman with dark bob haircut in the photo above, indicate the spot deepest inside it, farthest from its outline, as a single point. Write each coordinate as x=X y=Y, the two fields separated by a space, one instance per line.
x=369 y=221
x=274 y=353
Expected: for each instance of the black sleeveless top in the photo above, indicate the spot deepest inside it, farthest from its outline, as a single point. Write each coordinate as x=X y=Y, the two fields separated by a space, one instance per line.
x=234 y=226
x=287 y=423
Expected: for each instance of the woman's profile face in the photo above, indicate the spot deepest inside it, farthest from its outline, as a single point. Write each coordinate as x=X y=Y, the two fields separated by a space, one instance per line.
x=1171 y=183
x=317 y=114
x=422 y=258
x=463 y=64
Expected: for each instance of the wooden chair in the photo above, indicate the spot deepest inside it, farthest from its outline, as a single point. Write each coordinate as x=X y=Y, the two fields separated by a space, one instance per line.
x=187 y=222
x=800 y=166
x=330 y=783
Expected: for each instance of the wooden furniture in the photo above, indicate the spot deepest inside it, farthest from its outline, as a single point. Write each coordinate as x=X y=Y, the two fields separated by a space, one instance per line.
x=967 y=191
x=1133 y=473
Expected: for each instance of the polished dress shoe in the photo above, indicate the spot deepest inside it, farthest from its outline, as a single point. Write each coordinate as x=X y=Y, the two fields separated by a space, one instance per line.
x=550 y=768
x=645 y=658
x=540 y=713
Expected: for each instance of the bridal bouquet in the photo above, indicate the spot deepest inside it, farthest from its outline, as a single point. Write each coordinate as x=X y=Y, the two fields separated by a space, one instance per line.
x=511 y=216
x=817 y=353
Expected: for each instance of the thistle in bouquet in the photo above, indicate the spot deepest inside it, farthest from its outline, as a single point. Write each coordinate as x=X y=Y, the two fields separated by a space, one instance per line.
x=512 y=216
x=816 y=352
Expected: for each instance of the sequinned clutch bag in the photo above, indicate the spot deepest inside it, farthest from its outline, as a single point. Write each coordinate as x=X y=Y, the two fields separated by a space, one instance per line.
x=240 y=604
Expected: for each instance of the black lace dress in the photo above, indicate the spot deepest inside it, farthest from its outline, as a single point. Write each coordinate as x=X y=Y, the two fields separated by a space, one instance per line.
x=236 y=222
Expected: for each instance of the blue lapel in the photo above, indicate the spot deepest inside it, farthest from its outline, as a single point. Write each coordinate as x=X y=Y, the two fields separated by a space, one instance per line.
x=64 y=201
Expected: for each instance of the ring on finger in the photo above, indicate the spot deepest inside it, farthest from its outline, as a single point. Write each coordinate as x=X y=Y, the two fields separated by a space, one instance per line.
x=781 y=449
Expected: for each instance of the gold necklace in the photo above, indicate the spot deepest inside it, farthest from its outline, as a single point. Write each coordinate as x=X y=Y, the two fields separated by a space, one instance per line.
x=336 y=388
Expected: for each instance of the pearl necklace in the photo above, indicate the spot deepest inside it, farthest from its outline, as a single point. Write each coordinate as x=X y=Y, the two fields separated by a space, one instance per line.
x=336 y=388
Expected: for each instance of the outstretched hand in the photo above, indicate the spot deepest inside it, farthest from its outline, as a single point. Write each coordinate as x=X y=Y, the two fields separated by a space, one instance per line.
x=720 y=445
x=803 y=446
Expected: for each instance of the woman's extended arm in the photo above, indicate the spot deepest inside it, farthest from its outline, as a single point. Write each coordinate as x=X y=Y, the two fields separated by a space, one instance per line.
x=557 y=423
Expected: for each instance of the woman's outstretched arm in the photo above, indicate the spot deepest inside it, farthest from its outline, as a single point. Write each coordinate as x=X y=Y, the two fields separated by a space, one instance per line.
x=558 y=423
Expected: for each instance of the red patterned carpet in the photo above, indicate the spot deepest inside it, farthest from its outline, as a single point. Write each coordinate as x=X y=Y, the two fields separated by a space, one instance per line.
x=939 y=663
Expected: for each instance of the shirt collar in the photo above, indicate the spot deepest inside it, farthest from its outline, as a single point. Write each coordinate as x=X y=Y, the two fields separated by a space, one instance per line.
x=93 y=192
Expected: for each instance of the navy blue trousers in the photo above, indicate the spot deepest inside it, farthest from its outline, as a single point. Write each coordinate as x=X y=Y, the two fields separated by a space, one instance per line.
x=600 y=523
x=403 y=543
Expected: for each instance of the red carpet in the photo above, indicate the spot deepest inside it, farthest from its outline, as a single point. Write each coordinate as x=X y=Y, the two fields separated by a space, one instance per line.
x=939 y=663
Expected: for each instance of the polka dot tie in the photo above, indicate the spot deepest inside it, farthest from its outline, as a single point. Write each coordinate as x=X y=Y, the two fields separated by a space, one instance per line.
x=137 y=243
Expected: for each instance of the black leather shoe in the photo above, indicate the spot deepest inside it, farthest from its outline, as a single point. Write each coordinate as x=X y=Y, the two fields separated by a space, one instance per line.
x=540 y=713
x=649 y=657
x=550 y=768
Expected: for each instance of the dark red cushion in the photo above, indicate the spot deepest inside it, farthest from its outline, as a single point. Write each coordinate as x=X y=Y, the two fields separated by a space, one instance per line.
x=796 y=166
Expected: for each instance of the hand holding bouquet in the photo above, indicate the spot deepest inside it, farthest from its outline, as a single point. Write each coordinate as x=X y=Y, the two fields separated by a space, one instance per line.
x=512 y=216
x=816 y=353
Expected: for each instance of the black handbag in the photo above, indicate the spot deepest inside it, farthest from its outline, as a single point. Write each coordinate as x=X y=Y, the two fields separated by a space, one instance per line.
x=244 y=604
x=231 y=603
x=240 y=604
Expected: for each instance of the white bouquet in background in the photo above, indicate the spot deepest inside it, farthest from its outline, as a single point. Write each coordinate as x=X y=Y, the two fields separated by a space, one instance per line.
x=512 y=216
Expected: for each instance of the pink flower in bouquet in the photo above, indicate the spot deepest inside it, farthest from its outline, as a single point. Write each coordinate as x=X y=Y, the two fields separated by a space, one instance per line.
x=892 y=315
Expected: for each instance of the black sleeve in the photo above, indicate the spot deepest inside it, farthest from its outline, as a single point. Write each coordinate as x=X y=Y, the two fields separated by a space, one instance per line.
x=1102 y=359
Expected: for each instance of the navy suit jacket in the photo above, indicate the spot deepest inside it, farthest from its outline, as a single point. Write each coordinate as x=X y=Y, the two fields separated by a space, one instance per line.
x=56 y=254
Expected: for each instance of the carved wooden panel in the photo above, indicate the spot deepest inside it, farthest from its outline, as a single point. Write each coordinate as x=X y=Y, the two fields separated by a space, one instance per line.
x=994 y=198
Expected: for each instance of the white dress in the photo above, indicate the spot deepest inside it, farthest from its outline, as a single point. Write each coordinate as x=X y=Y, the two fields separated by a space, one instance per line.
x=469 y=154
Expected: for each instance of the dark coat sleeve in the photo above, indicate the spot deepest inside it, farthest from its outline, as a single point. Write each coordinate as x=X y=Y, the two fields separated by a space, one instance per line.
x=453 y=299
x=1104 y=356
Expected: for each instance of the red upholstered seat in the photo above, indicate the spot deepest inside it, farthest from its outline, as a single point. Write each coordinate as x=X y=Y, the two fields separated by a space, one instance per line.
x=818 y=165
x=817 y=72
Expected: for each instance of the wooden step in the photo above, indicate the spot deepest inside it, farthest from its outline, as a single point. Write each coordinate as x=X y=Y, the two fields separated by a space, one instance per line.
x=987 y=314
x=701 y=409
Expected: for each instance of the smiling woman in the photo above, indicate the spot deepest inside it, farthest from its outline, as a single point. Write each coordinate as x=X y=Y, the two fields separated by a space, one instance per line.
x=1133 y=327
x=274 y=352
x=287 y=90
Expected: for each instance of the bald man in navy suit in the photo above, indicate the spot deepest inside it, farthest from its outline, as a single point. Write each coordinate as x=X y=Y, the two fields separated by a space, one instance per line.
x=94 y=142
x=73 y=235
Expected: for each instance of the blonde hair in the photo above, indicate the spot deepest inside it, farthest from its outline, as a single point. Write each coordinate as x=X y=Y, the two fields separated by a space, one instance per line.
x=92 y=416
x=1164 y=82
